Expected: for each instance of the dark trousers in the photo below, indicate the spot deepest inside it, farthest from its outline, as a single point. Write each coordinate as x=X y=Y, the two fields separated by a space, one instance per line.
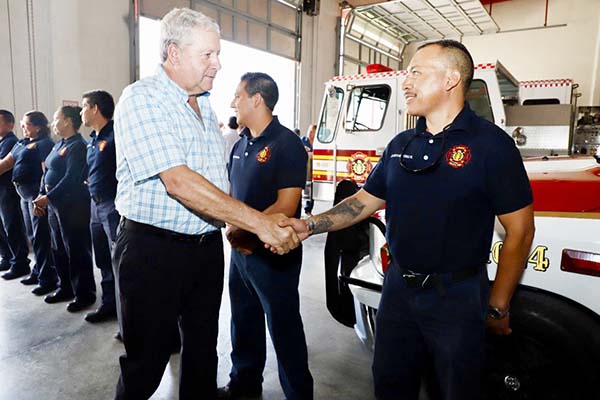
x=419 y=327
x=103 y=224
x=4 y=250
x=162 y=281
x=72 y=248
x=14 y=229
x=258 y=289
x=39 y=236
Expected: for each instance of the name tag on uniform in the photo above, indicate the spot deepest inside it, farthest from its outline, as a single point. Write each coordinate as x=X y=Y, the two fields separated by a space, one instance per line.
x=236 y=157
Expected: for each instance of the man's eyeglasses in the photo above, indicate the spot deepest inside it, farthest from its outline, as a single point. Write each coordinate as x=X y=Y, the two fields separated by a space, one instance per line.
x=429 y=167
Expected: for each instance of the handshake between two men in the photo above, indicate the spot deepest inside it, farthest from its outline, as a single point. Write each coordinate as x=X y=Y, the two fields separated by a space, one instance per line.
x=279 y=233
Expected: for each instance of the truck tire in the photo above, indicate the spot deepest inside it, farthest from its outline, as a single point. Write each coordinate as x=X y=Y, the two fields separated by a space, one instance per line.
x=552 y=354
x=343 y=251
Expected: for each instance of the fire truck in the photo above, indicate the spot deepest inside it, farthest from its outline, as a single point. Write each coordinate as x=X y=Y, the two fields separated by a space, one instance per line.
x=554 y=351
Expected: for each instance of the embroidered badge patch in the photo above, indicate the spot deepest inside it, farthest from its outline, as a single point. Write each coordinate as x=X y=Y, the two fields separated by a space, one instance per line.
x=458 y=156
x=62 y=152
x=264 y=155
x=359 y=167
x=31 y=146
x=102 y=145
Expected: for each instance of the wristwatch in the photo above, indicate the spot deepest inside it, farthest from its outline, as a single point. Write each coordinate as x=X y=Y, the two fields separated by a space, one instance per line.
x=496 y=313
x=310 y=225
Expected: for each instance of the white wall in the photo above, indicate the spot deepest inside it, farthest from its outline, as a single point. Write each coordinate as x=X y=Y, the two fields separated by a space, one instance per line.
x=571 y=51
x=319 y=56
x=77 y=45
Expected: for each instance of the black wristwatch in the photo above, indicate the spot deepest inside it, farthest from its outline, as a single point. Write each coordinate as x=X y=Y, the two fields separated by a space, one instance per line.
x=496 y=313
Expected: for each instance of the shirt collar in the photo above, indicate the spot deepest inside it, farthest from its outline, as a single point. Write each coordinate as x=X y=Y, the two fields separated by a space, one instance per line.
x=104 y=131
x=461 y=122
x=72 y=138
x=268 y=132
x=8 y=135
x=174 y=88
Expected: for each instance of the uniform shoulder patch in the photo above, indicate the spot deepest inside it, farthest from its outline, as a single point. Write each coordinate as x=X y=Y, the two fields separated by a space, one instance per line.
x=458 y=156
x=264 y=155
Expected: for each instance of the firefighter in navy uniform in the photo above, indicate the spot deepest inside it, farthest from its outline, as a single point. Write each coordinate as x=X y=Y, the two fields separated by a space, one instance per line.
x=65 y=197
x=97 y=112
x=442 y=183
x=10 y=209
x=26 y=161
x=267 y=171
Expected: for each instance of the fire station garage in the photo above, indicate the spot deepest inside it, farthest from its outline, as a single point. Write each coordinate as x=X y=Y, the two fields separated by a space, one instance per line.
x=116 y=221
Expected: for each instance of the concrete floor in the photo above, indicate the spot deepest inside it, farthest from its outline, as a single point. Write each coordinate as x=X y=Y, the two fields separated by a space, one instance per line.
x=47 y=353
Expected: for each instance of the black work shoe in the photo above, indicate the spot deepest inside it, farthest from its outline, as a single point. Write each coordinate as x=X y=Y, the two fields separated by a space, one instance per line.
x=101 y=314
x=234 y=391
x=79 y=304
x=59 y=296
x=30 y=280
x=4 y=266
x=42 y=290
x=10 y=275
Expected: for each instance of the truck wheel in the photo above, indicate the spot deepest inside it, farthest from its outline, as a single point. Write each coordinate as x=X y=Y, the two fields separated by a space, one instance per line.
x=343 y=251
x=552 y=354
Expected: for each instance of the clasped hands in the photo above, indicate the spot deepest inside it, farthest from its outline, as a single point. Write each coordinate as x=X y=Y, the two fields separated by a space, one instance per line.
x=279 y=234
x=39 y=205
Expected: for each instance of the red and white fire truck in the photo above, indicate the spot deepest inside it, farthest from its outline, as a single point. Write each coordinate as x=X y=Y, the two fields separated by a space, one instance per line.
x=554 y=351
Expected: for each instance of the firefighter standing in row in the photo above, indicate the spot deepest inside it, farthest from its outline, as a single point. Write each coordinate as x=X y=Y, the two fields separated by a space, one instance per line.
x=267 y=171
x=65 y=197
x=26 y=160
x=442 y=184
x=97 y=112
x=10 y=209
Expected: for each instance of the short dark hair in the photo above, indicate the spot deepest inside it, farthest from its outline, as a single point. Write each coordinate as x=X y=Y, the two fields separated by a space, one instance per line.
x=7 y=116
x=259 y=82
x=458 y=56
x=232 y=123
x=39 y=120
x=74 y=114
x=102 y=99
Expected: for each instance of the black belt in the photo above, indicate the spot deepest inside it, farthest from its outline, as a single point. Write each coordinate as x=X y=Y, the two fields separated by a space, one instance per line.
x=138 y=227
x=427 y=281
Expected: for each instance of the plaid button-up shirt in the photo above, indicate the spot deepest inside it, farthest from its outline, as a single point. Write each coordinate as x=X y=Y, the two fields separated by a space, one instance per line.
x=156 y=129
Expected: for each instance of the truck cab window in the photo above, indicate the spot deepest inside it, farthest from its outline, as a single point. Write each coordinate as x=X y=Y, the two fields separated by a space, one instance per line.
x=367 y=107
x=479 y=100
x=331 y=111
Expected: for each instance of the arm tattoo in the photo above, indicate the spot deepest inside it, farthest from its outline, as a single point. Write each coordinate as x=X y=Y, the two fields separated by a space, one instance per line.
x=343 y=213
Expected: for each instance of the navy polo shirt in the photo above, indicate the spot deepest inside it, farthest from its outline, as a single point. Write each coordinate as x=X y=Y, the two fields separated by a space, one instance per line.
x=66 y=171
x=442 y=220
x=102 y=163
x=259 y=167
x=29 y=155
x=6 y=145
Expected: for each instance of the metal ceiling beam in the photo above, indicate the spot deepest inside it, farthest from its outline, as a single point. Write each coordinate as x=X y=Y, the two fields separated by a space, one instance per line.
x=442 y=17
x=417 y=16
x=462 y=12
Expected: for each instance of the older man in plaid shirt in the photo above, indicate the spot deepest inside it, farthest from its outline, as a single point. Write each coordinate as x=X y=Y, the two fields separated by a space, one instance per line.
x=172 y=196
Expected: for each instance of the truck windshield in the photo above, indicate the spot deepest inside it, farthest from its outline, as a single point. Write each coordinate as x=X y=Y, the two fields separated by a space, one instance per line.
x=367 y=107
x=479 y=100
x=331 y=110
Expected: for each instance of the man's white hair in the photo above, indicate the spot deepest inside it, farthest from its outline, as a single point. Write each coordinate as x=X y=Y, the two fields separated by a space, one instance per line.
x=177 y=26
